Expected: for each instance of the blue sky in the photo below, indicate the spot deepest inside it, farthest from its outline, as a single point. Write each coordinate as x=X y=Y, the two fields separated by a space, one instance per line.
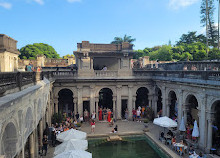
x=64 y=23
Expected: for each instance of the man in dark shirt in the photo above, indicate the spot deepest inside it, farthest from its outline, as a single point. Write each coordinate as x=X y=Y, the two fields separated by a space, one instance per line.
x=77 y=117
x=170 y=133
x=45 y=143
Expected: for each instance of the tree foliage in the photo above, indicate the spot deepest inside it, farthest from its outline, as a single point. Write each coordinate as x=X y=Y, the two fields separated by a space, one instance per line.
x=212 y=29
x=31 y=51
x=189 y=47
x=120 y=40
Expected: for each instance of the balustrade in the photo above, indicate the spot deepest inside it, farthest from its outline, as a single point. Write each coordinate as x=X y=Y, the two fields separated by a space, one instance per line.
x=12 y=80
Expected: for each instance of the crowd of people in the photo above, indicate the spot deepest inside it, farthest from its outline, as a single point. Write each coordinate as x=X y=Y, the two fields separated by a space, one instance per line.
x=180 y=147
x=30 y=68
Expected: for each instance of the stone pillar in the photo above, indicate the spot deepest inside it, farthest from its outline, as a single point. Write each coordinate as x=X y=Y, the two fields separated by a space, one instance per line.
x=209 y=137
x=150 y=98
x=56 y=102
x=92 y=99
x=180 y=103
x=91 y=63
x=31 y=145
x=119 y=89
x=41 y=131
x=119 y=63
x=114 y=108
x=154 y=105
x=168 y=103
x=36 y=143
x=133 y=102
x=164 y=101
x=130 y=106
x=75 y=106
x=202 y=121
x=80 y=101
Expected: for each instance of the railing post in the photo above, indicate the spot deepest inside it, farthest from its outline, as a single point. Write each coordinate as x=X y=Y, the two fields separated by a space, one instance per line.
x=34 y=77
x=19 y=80
x=205 y=75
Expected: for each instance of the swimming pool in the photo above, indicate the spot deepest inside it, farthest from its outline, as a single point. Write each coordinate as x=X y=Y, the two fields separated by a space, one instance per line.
x=129 y=147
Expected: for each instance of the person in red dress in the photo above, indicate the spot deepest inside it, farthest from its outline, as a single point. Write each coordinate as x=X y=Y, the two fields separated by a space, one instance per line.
x=109 y=115
x=100 y=114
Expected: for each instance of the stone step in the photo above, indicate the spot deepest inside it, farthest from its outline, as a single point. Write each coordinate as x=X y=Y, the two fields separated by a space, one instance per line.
x=114 y=138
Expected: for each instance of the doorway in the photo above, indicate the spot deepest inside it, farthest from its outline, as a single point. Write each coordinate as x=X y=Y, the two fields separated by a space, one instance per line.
x=124 y=106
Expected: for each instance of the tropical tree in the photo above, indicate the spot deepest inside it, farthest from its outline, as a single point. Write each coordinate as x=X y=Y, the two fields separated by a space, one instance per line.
x=119 y=40
x=207 y=19
x=31 y=51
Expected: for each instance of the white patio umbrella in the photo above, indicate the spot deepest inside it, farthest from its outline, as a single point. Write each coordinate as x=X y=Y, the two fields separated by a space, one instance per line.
x=74 y=154
x=165 y=122
x=182 y=125
x=195 y=132
x=71 y=134
x=72 y=144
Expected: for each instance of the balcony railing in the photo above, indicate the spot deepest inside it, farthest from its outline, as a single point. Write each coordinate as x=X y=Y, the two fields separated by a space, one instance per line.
x=16 y=80
x=107 y=73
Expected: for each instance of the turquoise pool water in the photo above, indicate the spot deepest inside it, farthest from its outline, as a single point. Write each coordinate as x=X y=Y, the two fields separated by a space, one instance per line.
x=130 y=147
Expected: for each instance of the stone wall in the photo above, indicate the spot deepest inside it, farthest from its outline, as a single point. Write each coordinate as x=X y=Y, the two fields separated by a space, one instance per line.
x=20 y=114
x=85 y=45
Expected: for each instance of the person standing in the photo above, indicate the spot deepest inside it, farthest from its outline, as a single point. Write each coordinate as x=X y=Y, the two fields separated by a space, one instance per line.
x=93 y=115
x=138 y=115
x=45 y=143
x=53 y=137
x=77 y=116
x=86 y=115
x=109 y=115
x=93 y=126
x=134 y=114
x=126 y=114
x=100 y=114
x=30 y=68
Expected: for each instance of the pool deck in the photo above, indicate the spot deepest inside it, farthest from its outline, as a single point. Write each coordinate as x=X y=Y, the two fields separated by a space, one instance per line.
x=125 y=128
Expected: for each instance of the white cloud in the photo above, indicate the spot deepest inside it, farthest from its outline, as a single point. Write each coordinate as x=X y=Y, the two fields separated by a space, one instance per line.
x=176 y=4
x=41 y=2
x=5 y=5
x=72 y=1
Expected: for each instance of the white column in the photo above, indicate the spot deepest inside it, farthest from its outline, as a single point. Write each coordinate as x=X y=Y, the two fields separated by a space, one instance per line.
x=130 y=101
x=119 y=88
x=80 y=101
x=92 y=99
x=114 y=108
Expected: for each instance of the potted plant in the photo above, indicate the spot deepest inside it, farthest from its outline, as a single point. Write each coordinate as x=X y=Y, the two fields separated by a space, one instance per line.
x=146 y=121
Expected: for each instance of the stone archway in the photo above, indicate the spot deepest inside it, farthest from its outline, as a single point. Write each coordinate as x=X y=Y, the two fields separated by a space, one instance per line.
x=159 y=101
x=215 y=111
x=28 y=122
x=9 y=140
x=65 y=103
x=173 y=113
x=142 y=97
x=106 y=98
x=191 y=109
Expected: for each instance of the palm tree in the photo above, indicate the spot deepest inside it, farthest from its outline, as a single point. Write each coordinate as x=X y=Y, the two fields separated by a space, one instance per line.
x=119 y=40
